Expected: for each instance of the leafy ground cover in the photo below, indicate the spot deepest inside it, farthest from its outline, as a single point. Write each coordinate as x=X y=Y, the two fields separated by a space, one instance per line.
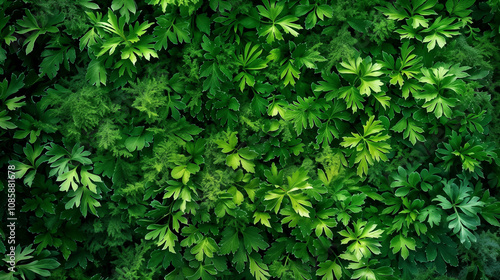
x=191 y=139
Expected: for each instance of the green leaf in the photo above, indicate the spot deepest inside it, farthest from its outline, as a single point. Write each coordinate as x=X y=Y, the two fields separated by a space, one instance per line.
x=263 y=218
x=403 y=244
x=242 y=157
x=53 y=58
x=440 y=106
x=299 y=202
x=319 y=11
x=324 y=222
x=304 y=113
x=273 y=176
x=289 y=72
x=359 y=24
x=253 y=240
x=184 y=172
x=96 y=73
x=125 y=7
x=298 y=181
x=440 y=30
x=352 y=97
x=88 y=4
x=9 y=88
x=85 y=199
x=383 y=99
x=192 y=234
x=182 y=130
x=233 y=160
x=205 y=248
x=271 y=11
x=142 y=48
x=461 y=223
x=363 y=272
x=230 y=242
x=258 y=269
x=330 y=85
x=214 y=70
x=469 y=154
x=362 y=235
x=288 y=25
x=203 y=23
x=30 y=24
x=291 y=217
x=5 y=122
x=88 y=179
x=407 y=65
x=370 y=146
x=439 y=78
x=138 y=139
x=225 y=205
x=249 y=61
x=411 y=130
x=459 y=7
x=246 y=157
x=78 y=154
x=173 y=29
x=328 y=269
x=393 y=13
x=164 y=235
x=41 y=266
x=299 y=271
x=70 y=179
x=326 y=133
x=240 y=258
x=205 y=272
x=304 y=56
x=177 y=218
x=366 y=72
x=349 y=206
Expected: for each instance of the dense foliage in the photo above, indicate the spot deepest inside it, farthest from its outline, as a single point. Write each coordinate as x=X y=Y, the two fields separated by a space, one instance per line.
x=218 y=139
